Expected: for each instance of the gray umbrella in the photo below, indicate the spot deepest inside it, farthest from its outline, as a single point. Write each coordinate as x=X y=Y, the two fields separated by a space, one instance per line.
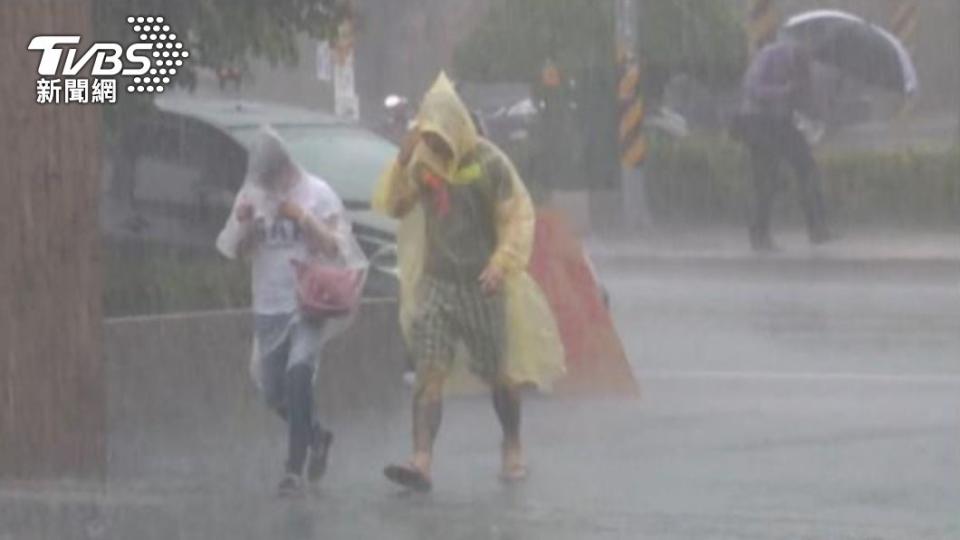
x=858 y=48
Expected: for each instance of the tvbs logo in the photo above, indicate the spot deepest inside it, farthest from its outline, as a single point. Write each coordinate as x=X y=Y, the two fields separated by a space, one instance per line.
x=149 y=64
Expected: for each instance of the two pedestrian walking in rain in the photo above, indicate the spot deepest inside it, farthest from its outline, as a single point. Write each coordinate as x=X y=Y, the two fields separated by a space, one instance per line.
x=465 y=239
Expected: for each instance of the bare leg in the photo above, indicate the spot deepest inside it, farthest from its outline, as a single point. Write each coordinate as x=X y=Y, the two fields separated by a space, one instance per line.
x=427 y=411
x=427 y=414
x=433 y=351
x=506 y=402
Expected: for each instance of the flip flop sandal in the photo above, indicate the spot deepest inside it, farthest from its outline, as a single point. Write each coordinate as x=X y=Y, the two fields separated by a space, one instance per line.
x=517 y=472
x=409 y=477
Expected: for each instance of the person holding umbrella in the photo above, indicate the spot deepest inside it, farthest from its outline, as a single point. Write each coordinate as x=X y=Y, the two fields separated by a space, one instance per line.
x=776 y=87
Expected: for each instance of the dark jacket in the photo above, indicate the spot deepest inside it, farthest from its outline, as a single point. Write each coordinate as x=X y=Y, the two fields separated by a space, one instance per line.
x=778 y=81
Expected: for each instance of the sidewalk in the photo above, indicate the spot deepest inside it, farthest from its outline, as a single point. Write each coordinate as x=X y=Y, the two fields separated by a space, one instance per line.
x=718 y=247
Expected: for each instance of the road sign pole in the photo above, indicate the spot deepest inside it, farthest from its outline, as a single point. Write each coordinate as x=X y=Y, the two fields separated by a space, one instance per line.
x=633 y=145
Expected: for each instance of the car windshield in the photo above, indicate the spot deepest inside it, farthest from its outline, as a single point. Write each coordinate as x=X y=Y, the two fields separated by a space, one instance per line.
x=348 y=158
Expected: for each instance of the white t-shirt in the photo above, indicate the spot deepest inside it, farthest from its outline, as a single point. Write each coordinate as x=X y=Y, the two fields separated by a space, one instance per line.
x=279 y=240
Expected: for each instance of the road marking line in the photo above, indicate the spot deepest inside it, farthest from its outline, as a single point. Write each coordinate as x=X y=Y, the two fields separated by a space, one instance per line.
x=917 y=378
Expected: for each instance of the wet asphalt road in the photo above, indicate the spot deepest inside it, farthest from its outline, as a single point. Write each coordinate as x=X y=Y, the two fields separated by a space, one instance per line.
x=801 y=406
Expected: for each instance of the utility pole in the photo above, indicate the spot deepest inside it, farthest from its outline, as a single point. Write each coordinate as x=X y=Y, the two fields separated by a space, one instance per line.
x=956 y=7
x=635 y=209
x=52 y=389
x=627 y=23
x=346 y=102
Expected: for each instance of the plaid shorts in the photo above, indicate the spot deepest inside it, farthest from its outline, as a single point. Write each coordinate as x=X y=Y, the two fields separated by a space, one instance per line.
x=453 y=311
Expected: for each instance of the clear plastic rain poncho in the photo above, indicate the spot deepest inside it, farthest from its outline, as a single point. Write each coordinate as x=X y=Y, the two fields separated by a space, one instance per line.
x=534 y=350
x=274 y=278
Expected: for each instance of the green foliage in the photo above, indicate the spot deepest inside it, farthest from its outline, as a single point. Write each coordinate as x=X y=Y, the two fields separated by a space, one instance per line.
x=707 y=180
x=913 y=186
x=516 y=37
x=152 y=280
x=227 y=32
x=696 y=178
x=217 y=33
x=703 y=39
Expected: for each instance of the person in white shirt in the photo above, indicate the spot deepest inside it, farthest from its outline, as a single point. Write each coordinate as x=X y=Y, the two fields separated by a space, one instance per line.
x=283 y=214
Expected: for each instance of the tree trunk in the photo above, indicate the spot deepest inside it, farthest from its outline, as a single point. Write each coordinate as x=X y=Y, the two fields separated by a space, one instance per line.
x=52 y=409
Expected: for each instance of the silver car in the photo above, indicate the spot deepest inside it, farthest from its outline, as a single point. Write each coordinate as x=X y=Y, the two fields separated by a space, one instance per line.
x=174 y=174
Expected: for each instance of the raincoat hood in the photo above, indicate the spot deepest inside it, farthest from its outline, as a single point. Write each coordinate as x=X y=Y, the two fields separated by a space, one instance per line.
x=269 y=156
x=444 y=114
x=534 y=352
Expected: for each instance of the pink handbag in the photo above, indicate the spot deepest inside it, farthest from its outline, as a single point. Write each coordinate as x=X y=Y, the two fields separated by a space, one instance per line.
x=324 y=290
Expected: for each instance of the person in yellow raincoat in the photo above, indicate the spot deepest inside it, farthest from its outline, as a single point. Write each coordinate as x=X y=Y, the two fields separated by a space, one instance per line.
x=464 y=242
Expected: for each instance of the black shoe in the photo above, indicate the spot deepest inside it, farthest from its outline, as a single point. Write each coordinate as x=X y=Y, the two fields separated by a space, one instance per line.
x=291 y=487
x=319 y=452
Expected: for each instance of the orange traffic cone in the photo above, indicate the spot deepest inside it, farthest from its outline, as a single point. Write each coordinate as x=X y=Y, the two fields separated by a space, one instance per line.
x=595 y=359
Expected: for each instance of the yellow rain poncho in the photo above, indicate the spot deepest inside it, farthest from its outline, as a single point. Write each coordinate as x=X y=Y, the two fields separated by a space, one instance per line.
x=534 y=353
